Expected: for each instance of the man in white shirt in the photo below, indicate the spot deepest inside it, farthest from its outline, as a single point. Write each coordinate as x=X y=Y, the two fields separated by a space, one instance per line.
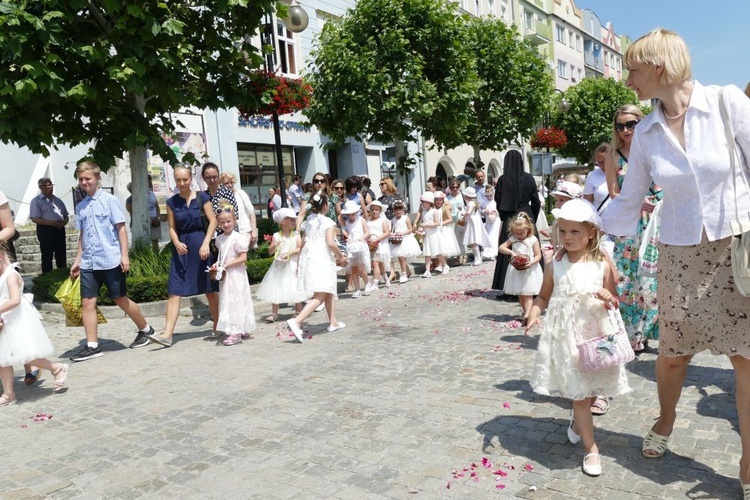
x=595 y=191
x=295 y=193
x=479 y=186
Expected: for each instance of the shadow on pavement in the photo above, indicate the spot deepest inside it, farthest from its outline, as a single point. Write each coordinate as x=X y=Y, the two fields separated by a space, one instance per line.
x=519 y=436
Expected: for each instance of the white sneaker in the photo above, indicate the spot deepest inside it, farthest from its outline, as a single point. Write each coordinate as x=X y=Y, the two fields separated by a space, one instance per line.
x=357 y=294
x=477 y=263
x=446 y=270
x=403 y=279
x=296 y=330
x=438 y=269
x=367 y=291
x=427 y=275
x=387 y=283
x=340 y=326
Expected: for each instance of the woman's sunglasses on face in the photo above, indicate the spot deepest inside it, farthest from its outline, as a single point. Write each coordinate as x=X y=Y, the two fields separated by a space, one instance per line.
x=620 y=127
x=319 y=181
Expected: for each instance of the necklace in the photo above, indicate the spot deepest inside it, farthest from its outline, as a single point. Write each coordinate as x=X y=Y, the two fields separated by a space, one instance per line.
x=664 y=112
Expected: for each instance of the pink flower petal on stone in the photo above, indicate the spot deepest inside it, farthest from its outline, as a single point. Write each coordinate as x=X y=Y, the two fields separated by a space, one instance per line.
x=528 y=467
x=448 y=486
x=506 y=405
x=501 y=473
x=500 y=486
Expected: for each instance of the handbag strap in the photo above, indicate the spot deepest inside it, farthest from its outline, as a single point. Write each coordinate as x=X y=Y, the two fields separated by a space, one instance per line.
x=732 y=153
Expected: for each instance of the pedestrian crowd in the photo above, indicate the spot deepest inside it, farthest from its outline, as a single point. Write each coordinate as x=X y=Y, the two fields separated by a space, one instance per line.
x=639 y=251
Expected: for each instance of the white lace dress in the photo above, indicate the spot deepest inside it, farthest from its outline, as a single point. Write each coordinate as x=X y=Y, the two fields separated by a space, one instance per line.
x=317 y=264
x=279 y=285
x=573 y=308
x=383 y=253
x=409 y=247
x=23 y=337
x=526 y=281
x=493 y=228
x=236 y=313
x=431 y=240
x=359 y=252
x=475 y=232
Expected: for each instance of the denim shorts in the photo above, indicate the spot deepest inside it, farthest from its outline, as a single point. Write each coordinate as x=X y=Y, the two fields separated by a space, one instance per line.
x=113 y=279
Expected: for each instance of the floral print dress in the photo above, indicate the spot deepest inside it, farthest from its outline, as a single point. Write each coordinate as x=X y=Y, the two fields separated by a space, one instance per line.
x=636 y=290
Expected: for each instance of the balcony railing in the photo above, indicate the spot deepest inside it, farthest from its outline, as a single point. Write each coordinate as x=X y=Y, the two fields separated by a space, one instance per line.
x=538 y=33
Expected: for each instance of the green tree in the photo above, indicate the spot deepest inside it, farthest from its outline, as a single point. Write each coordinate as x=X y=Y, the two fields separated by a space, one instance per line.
x=390 y=67
x=514 y=90
x=588 y=121
x=112 y=72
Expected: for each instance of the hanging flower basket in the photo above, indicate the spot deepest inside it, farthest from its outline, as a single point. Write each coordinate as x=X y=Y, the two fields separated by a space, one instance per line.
x=552 y=138
x=275 y=93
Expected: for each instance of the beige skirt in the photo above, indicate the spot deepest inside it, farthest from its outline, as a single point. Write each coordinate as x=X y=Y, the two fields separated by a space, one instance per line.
x=699 y=306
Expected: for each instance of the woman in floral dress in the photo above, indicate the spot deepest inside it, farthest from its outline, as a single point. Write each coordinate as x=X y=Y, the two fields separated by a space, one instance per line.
x=636 y=289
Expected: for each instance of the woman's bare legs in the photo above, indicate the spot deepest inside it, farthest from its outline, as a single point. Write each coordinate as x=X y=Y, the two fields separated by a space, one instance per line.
x=742 y=398
x=670 y=376
x=331 y=309
x=213 y=307
x=173 y=310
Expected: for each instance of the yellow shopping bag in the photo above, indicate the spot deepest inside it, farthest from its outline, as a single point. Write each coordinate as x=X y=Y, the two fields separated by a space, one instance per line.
x=69 y=295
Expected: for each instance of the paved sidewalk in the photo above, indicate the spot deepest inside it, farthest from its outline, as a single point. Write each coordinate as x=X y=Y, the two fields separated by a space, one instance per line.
x=426 y=379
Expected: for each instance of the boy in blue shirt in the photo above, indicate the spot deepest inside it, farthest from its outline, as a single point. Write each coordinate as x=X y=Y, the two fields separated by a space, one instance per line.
x=102 y=259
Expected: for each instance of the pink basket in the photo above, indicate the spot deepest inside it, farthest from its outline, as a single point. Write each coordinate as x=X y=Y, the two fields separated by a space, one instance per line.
x=606 y=351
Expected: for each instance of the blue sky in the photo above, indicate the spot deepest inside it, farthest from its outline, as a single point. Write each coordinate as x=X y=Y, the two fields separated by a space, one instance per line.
x=713 y=31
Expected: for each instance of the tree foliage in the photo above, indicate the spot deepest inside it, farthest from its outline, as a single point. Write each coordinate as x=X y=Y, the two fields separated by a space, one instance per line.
x=515 y=85
x=113 y=71
x=390 y=67
x=588 y=121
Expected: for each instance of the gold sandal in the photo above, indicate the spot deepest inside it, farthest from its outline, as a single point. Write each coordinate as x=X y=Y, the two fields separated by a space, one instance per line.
x=654 y=442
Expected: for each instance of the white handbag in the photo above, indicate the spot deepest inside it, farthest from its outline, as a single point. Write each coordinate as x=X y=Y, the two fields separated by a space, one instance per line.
x=740 y=250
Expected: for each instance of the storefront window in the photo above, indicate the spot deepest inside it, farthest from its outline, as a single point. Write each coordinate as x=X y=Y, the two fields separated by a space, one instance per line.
x=258 y=172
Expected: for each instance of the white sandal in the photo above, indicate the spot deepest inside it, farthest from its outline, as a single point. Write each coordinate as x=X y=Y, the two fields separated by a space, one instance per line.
x=654 y=442
x=592 y=470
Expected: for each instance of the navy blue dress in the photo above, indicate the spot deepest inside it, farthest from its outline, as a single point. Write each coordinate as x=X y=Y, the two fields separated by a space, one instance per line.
x=187 y=273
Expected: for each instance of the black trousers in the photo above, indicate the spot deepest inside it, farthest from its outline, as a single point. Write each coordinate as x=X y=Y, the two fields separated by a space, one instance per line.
x=52 y=243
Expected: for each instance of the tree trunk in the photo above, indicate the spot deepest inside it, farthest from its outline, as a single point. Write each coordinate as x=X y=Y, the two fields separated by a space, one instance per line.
x=139 y=189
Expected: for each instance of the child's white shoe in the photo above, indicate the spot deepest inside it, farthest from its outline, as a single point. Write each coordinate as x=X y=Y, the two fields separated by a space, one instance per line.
x=367 y=291
x=592 y=467
x=403 y=279
x=427 y=274
x=387 y=283
x=446 y=270
x=357 y=294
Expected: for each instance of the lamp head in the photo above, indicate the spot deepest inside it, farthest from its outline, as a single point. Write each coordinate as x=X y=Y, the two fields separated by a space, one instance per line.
x=296 y=19
x=564 y=105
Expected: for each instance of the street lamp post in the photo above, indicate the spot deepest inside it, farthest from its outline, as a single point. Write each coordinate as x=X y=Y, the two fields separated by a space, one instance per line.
x=564 y=106
x=296 y=22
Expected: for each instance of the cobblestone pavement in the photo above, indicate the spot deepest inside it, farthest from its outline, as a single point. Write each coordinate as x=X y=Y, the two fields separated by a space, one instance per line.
x=426 y=379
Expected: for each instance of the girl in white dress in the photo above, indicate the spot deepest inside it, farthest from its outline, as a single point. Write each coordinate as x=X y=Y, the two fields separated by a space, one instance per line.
x=577 y=291
x=356 y=234
x=380 y=231
x=279 y=285
x=431 y=240
x=447 y=236
x=492 y=225
x=403 y=243
x=522 y=244
x=475 y=234
x=236 y=314
x=317 y=265
x=22 y=335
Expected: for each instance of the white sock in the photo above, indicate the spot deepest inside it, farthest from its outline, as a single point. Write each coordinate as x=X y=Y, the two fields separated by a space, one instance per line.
x=477 y=255
x=146 y=328
x=92 y=345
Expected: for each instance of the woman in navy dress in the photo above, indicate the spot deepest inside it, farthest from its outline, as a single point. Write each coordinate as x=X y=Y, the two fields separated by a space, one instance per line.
x=190 y=255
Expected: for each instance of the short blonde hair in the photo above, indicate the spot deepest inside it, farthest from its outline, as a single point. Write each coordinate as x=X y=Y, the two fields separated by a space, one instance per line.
x=227 y=177
x=88 y=166
x=662 y=47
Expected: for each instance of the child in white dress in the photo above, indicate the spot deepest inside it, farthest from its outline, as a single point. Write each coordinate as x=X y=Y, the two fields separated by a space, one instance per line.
x=380 y=231
x=475 y=234
x=236 y=314
x=522 y=244
x=446 y=234
x=317 y=265
x=431 y=240
x=22 y=336
x=356 y=234
x=493 y=224
x=403 y=242
x=279 y=285
x=577 y=292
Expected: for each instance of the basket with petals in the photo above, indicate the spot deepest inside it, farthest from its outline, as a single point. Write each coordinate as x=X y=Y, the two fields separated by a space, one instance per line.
x=519 y=262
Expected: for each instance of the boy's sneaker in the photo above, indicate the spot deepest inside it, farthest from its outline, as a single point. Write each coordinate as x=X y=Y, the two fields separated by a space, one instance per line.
x=87 y=352
x=403 y=279
x=387 y=283
x=367 y=291
x=356 y=294
x=142 y=339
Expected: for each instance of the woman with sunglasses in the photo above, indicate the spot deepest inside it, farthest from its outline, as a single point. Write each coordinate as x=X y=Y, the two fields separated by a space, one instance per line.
x=320 y=183
x=685 y=145
x=637 y=287
x=389 y=197
x=246 y=223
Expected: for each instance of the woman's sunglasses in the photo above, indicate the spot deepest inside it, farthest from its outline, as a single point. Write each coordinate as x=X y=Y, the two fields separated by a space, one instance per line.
x=338 y=187
x=620 y=127
x=319 y=181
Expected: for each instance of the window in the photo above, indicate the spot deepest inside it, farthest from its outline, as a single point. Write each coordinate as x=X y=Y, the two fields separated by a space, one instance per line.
x=606 y=58
x=258 y=171
x=571 y=38
x=477 y=8
x=287 y=59
x=578 y=43
x=562 y=69
x=491 y=7
x=504 y=13
x=560 y=34
x=572 y=73
x=580 y=74
x=528 y=18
